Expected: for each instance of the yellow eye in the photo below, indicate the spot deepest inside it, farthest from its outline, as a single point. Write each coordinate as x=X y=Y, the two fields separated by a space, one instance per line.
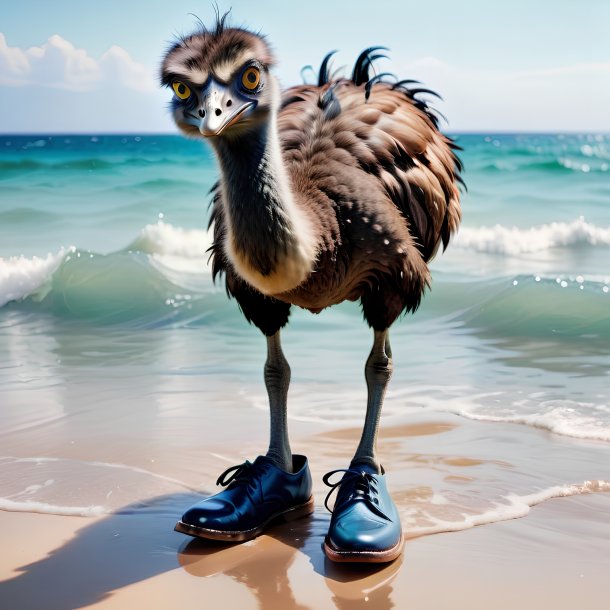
x=251 y=78
x=181 y=90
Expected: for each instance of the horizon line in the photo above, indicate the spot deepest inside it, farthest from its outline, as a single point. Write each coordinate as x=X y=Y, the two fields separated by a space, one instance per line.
x=483 y=132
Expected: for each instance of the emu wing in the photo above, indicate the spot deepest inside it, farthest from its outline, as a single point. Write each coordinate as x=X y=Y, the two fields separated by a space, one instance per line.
x=389 y=133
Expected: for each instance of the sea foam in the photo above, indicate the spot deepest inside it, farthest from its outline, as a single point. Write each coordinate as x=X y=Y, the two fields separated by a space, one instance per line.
x=21 y=276
x=513 y=241
x=562 y=420
x=511 y=506
x=31 y=506
x=581 y=420
x=166 y=239
x=172 y=251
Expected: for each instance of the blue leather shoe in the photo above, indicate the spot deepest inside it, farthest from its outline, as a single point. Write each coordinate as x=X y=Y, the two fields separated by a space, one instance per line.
x=365 y=526
x=256 y=495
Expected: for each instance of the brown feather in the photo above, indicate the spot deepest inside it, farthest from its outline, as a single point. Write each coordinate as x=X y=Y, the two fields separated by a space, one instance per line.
x=378 y=182
x=386 y=129
x=201 y=53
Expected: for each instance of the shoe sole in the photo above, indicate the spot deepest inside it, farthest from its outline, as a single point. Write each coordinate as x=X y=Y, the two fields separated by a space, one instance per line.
x=296 y=512
x=384 y=556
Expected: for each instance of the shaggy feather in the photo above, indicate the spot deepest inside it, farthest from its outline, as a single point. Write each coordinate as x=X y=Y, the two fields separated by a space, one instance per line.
x=370 y=170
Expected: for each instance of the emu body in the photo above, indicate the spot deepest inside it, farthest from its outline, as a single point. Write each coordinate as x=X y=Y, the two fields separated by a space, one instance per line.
x=343 y=190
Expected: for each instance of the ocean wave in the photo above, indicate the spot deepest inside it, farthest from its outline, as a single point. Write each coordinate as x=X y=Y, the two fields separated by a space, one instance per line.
x=511 y=506
x=87 y=163
x=544 y=154
x=21 y=276
x=533 y=306
x=166 y=239
x=24 y=215
x=565 y=421
x=160 y=184
x=162 y=278
x=561 y=165
x=581 y=420
x=514 y=241
x=123 y=288
x=73 y=164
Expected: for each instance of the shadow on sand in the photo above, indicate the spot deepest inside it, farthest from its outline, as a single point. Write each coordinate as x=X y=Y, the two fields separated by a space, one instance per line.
x=138 y=542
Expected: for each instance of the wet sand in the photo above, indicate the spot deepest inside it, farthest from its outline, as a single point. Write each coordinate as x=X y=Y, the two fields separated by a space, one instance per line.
x=557 y=556
x=136 y=561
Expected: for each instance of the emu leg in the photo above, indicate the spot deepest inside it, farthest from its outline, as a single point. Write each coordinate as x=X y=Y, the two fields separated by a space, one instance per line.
x=277 y=380
x=378 y=371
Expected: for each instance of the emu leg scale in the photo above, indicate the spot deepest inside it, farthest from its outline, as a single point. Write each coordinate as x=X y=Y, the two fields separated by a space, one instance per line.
x=378 y=371
x=277 y=380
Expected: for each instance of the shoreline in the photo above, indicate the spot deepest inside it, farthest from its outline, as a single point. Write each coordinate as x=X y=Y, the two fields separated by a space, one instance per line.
x=126 y=561
x=557 y=555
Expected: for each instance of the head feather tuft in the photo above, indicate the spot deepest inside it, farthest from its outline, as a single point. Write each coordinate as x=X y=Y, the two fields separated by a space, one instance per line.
x=195 y=56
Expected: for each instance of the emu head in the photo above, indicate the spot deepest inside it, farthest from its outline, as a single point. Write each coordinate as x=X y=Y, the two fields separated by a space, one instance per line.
x=220 y=82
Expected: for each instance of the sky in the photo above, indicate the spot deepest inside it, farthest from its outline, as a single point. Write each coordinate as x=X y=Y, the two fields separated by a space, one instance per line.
x=72 y=66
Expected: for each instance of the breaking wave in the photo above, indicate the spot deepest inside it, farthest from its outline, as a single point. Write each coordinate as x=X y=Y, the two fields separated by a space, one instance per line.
x=162 y=277
x=21 y=276
x=513 y=241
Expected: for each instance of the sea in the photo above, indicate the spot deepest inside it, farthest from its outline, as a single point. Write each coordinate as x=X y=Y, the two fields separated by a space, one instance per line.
x=122 y=364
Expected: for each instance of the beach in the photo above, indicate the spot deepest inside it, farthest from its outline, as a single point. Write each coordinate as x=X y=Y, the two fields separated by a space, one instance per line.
x=129 y=382
x=556 y=556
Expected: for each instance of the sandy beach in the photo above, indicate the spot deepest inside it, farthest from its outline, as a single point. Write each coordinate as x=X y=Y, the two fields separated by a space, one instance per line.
x=558 y=555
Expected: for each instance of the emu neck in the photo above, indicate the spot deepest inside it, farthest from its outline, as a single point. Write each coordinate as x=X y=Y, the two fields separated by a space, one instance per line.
x=268 y=235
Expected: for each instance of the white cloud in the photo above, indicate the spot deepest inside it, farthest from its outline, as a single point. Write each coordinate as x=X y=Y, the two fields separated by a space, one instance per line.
x=117 y=93
x=59 y=64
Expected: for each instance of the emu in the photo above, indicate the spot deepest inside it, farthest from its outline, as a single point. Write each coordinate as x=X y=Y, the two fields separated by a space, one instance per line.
x=340 y=190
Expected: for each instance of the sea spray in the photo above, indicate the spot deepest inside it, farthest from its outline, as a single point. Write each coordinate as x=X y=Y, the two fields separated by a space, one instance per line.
x=21 y=277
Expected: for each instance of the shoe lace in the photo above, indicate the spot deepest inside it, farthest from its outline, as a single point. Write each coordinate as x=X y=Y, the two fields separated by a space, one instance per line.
x=237 y=475
x=364 y=485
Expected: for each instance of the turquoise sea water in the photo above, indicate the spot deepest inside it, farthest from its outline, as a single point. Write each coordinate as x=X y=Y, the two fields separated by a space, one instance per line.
x=103 y=281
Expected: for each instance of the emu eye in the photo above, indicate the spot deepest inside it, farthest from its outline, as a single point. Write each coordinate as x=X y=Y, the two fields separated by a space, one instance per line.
x=251 y=78
x=181 y=90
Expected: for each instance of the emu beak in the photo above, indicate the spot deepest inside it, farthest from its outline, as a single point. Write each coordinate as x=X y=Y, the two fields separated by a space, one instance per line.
x=220 y=109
